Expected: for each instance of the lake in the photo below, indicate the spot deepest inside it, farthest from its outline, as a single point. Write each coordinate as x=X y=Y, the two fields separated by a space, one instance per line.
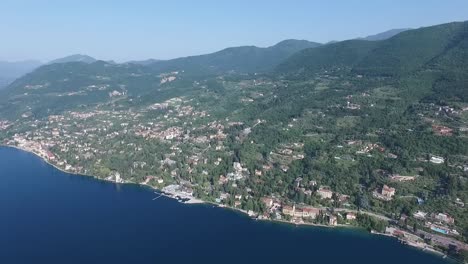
x=48 y=216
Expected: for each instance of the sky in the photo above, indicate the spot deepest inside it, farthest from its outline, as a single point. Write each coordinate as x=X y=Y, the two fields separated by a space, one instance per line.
x=141 y=29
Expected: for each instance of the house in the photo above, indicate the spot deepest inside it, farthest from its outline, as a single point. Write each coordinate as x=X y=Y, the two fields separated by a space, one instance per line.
x=442 y=130
x=309 y=212
x=222 y=180
x=186 y=191
x=298 y=182
x=388 y=192
x=288 y=210
x=332 y=220
x=298 y=212
x=445 y=218
x=117 y=177
x=325 y=193
x=420 y=215
x=351 y=216
x=343 y=198
x=267 y=201
x=237 y=166
x=400 y=178
x=50 y=155
x=459 y=202
x=437 y=160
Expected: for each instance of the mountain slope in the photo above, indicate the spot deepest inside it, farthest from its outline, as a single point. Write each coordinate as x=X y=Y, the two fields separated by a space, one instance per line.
x=352 y=116
x=340 y=54
x=74 y=58
x=412 y=49
x=56 y=87
x=144 y=62
x=434 y=57
x=9 y=71
x=246 y=59
x=385 y=35
x=401 y=54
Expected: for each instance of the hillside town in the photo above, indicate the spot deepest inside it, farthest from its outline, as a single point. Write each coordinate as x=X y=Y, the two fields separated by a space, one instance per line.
x=315 y=167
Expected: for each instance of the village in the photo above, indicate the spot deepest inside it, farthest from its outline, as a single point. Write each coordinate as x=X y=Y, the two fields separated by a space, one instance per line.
x=190 y=153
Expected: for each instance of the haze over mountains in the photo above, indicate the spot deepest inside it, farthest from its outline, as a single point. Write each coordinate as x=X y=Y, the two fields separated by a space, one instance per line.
x=348 y=117
x=408 y=52
x=74 y=58
x=385 y=35
x=239 y=59
x=9 y=71
x=404 y=53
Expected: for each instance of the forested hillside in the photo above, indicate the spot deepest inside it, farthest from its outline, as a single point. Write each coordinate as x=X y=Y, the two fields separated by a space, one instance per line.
x=378 y=126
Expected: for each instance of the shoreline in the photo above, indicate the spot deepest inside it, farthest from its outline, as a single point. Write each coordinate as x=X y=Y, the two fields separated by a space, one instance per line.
x=193 y=200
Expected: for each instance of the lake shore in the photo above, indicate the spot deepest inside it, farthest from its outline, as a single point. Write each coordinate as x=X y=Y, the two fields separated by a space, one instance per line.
x=192 y=200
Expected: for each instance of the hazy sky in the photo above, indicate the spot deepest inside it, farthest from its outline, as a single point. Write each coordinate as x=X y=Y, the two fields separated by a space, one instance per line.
x=140 y=29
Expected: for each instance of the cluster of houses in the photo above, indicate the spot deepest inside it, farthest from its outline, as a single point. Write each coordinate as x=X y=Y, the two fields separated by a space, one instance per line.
x=183 y=191
x=437 y=222
x=239 y=172
x=168 y=77
x=300 y=213
x=325 y=193
x=369 y=147
x=286 y=154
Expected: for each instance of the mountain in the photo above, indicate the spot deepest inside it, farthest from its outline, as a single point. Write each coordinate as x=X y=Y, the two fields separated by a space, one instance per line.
x=245 y=59
x=404 y=53
x=144 y=62
x=9 y=71
x=60 y=86
x=345 y=53
x=348 y=117
x=385 y=35
x=68 y=82
x=440 y=50
x=74 y=58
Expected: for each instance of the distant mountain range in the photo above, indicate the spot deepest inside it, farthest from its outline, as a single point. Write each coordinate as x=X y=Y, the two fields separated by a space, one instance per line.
x=244 y=59
x=394 y=50
x=349 y=115
x=404 y=53
x=144 y=62
x=9 y=71
x=74 y=58
x=409 y=53
x=385 y=35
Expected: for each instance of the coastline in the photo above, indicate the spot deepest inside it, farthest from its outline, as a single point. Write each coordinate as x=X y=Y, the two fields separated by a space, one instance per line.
x=193 y=200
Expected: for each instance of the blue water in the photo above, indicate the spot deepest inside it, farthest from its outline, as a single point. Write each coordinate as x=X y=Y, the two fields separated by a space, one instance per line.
x=439 y=230
x=47 y=216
